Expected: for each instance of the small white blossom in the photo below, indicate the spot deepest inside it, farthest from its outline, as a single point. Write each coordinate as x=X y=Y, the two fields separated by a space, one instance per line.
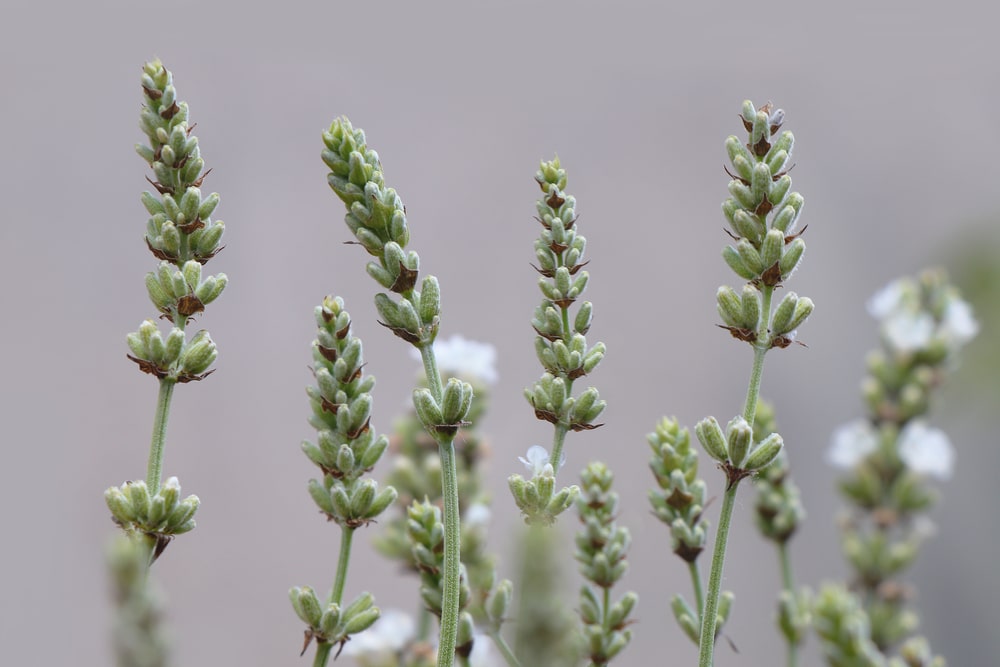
x=908 y=331
x=466 y=358
x=887 y=300
x=958 y=326
x=926 y=450
x=851 y=443
x=387 y=637
x=537 y=460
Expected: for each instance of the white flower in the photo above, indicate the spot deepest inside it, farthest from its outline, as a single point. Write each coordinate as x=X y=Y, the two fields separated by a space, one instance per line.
x=387 y=637
x=463 y=357
x=538 y=460
x=958 y=326
x=851 y=443
x=887 y=299
x=908 y=330
x=926 y=451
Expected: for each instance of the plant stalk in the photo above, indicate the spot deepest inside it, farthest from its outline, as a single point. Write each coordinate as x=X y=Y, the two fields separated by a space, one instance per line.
x=337 y=592
x=154 y=468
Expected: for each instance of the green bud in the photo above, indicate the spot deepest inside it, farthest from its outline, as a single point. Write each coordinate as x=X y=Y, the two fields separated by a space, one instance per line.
x=306 y=605
x=340 y=502
x=345 y=458
x=174 y=345
x=584 y=316
x=791 y=256
x=209 y=237
x=760 y=183
x=711 y=438
x=751 y=257
x=737 y=264
x=594 y=357
x=686 y=618
x=329 y=621
x=498 y=602
x=770 y=250
x=157 y=294
x=739 y=435
x=321 y=496
x=374 y=452
x=209 y=290
x=748 y=226
x=743 y=194
x=590 y=608
x=620 y=610
x=427 y=408
x=363 y=496
x=199 y=354
x=430 y=299
x=456 y=401
x=765 y=452
x=138 y=495
x=783 y=314
x=180 y=519
x=466 y=631
x=729 y=307
x=381 y=503
x=120 y=506
x=207 y=206
x=750 y=307
x=776 y=196
x=360 y=604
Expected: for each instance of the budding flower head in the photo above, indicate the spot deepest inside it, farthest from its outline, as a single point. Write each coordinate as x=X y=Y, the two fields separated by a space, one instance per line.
x=465 y=358
x=538 y=459
x=926 y=450
x=851 y=443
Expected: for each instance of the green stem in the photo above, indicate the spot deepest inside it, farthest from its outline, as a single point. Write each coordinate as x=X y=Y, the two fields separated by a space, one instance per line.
x=789 y=586
x=451 y=578
x=699 y=595
x=154 y=469
x=504 y=649
x=708 y=618
x=450 y=581
x=323 y=649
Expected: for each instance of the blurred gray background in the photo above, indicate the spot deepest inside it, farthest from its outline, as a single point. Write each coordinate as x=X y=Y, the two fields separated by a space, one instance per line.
x=895 y=113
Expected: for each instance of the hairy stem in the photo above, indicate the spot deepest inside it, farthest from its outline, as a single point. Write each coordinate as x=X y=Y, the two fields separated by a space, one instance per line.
x=504 y=648
x=699 y=595
x=337 y=592
x=452 y=554
x=154 y=469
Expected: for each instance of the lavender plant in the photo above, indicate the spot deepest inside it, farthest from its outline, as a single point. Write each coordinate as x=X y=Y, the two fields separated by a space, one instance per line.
x=377 y=219
x=891 y=455
x=182 y=235
x=561 y=348
x=762 y=213
x=346 y=449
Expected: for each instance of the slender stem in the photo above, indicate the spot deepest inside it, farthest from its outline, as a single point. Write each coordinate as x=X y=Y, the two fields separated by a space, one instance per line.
x=432 y=373
x=558 y=440
x=337 y=593
x=154 y=468
x=699 y=595
x=708 y=618
x=323 y=649
x=504 y=649
x=452 y=554
x=789 y=586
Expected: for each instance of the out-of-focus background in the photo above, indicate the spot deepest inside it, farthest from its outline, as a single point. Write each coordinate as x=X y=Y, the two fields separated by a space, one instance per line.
x=895 y=114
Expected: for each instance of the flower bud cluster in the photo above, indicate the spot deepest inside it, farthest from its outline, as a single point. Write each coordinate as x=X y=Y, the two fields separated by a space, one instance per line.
x=332 y=623
x=346 y=445
x=844 y=630
x=158 y=516
x=735 y=448
x=537 y=497
x=562 y=348
x=601 y=547
x=180 y=233
x=679 y=501
x=426 y=533
x=560 y=345
x=778 y=507
x=377 y=218
x=891 y=453
x=762 y=212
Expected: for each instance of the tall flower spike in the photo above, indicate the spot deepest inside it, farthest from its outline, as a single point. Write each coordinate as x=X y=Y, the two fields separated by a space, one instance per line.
x=182 y=235
x=892 y=453
x=377 y=218
x=561 y=342
x=346 y=449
